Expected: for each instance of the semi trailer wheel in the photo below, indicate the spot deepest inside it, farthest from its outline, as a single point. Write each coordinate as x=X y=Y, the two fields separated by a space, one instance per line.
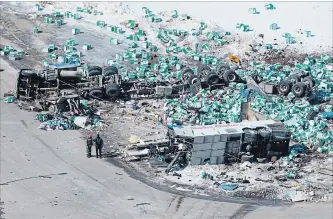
x=28 y=74
x=230 y=76
x=294 y=78
x=284 y=87
x=222 y=68
x=112 y=90
x=186 y=74
x=299 y=89
x=193 y=79
x=111 y=70
x=308 y=80
x=212 y=79
x=91 y=68
x=203 y=71
x=94 y=71
x=96 y=93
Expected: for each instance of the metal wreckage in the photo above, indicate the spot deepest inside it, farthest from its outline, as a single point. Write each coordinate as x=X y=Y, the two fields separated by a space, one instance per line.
x=45 y=87
x=58 y=88
x=206 y=123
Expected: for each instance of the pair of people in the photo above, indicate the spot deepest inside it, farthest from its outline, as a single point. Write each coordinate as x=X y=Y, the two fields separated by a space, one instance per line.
x=98 y=143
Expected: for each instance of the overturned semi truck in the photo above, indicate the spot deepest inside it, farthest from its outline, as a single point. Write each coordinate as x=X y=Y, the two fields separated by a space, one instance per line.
x=59 y=80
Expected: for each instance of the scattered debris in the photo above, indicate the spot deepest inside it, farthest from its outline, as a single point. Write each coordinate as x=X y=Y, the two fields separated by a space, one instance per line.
x=266 y=125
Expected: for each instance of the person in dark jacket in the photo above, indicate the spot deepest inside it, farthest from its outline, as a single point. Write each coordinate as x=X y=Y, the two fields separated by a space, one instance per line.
x=99 y=145
x=89 y=145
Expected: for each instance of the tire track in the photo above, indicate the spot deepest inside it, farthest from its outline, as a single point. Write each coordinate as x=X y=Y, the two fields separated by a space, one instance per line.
x=24 y=124
x=187 y=211
x=243 y=211
x=179 y=202
x=33 y=177
x=2 y=213
x=169 y=206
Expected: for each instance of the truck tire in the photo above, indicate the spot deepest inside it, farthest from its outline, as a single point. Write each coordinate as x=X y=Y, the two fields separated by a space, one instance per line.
x=284 y=87
x=111 y=70
x=222 y=68
x=112 y=90
x=94 y=73
x=294 y=78
x=203 y=71
x=94 y=70
x=186 y=74
x=96 y=93
x=91 y=68
x=28 y=74
x=212 y=79
x=230 y=76
x=193 y=79
x=299 y=89
x=308 y=80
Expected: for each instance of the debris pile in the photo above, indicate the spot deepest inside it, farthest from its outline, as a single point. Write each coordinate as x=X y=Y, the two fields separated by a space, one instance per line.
x=12 y=53
x=303 y=173
x=205 y=108
x=301 y=118
x=59 y=123
x=87 y=118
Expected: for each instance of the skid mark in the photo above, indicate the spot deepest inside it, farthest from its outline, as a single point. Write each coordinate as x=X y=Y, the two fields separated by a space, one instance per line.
x=179 y=202
x=24 y=124
x=49 y=176
x=242 y=211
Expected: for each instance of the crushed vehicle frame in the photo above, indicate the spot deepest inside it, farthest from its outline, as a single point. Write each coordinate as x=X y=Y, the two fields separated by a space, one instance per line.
x=222 y=143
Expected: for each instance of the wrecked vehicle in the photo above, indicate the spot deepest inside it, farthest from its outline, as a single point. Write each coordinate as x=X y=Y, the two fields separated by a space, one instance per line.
x=302 y=80
x=222 y=75
x=65 y=81
x=298 y=88
x=222 y=143
x=61 y=80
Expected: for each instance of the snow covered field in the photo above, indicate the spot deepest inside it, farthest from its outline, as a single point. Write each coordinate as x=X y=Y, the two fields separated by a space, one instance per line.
x=316 y=17
x=291 y=17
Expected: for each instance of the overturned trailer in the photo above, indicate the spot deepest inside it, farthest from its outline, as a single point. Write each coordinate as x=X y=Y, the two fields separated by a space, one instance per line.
x=221 y=143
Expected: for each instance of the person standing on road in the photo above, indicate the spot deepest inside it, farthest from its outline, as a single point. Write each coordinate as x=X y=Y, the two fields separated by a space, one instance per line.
x=99 y=145
x=89 y=145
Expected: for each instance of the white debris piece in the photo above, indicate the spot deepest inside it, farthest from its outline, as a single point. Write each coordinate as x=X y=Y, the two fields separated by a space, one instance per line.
x=80 y=121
